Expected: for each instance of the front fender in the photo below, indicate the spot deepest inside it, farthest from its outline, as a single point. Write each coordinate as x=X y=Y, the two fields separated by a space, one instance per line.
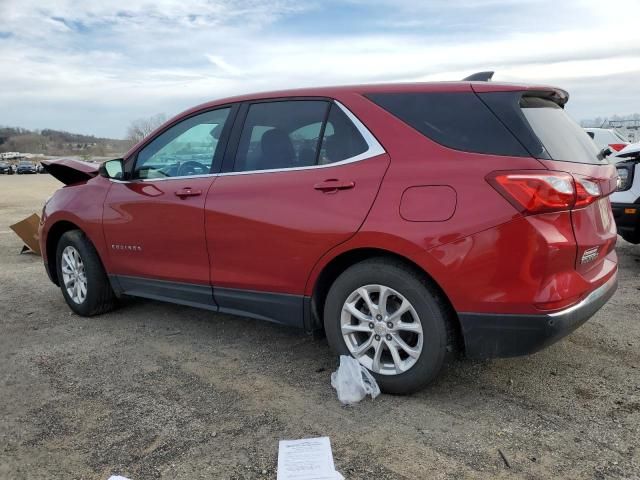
x=80 y=205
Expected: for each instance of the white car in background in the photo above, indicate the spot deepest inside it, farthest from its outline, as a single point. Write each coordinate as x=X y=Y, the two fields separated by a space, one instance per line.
x=625 y=201
x=607 y=137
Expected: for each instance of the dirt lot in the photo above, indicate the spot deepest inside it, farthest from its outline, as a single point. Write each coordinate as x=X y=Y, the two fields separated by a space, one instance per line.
x=160 y=391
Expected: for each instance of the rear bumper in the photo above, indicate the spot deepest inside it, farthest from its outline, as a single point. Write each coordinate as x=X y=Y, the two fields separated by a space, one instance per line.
x=505 y=335
x=627 y=217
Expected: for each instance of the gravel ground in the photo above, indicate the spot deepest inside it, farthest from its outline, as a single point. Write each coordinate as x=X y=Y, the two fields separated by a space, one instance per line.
x=155 y=390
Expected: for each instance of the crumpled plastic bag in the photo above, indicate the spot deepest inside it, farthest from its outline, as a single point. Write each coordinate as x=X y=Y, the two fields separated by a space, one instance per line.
x=353 y=382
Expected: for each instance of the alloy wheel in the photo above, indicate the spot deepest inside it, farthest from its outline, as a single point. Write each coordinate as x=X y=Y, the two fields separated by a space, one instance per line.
x=381 y=329
x=73 y=275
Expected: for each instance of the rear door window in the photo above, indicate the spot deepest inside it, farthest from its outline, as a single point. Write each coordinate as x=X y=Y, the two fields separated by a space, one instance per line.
x=296 y=133
x=341 y=139
x=282 y=134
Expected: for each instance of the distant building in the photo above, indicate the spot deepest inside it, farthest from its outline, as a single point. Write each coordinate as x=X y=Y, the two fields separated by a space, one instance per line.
x=627 y=128
x=12 y=155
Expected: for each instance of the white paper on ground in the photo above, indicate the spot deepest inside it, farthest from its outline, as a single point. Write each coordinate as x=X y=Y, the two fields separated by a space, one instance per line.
x=306 y=459
x=117 y=477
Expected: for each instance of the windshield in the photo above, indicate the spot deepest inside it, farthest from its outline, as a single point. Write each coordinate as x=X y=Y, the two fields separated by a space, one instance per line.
x=563 y=139
x=620 y=137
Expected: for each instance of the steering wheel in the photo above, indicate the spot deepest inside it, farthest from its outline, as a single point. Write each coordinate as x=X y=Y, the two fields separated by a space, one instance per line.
x=191 y=167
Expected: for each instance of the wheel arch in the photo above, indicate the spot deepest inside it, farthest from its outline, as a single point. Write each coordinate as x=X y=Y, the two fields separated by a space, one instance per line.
x=344 y=260
x=53 y=237
x=55 y=232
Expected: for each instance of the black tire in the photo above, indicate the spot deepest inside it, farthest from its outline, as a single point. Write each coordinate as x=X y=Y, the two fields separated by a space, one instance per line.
x=432 y=311
x=99 y=297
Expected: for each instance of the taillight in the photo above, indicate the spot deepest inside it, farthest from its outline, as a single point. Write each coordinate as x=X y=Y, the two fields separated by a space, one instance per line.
x=542 y=192
x=587 y=192
x=617 y=146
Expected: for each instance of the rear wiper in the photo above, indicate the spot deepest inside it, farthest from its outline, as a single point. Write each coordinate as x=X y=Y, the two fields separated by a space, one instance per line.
x=604 y=153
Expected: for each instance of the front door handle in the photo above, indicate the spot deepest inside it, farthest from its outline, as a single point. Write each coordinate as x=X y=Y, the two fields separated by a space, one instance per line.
x=188 y=192
x=333 y=185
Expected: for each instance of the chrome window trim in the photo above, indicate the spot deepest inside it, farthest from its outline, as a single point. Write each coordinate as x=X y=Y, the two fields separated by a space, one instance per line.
x=162 y=179
x=374 y=149
x=374 y=146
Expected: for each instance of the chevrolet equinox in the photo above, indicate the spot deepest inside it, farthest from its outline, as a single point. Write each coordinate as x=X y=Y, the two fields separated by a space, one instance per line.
x=407 y=221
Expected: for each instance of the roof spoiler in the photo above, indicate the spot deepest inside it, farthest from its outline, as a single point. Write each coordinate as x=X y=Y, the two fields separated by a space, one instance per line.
x=479 y=77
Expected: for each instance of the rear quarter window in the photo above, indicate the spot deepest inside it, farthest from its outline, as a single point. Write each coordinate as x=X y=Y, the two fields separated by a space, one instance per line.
x=458 y=120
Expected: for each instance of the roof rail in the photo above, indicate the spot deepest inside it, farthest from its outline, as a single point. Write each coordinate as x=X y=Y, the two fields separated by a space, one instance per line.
x=479 y=77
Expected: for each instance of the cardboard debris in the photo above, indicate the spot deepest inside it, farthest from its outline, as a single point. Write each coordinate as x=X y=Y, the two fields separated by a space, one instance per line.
x=27 y=230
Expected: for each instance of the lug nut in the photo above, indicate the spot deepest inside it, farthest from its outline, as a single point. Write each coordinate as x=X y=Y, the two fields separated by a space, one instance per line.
x=378 y=317
x=377 y=337
x=388 y=337
x=371 y=325
x=389 y=324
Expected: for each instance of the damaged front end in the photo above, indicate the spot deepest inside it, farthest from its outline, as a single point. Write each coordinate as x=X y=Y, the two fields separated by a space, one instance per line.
x=70 y=171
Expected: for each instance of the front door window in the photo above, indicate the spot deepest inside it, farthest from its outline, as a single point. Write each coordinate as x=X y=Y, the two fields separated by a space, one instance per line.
x=186 y=149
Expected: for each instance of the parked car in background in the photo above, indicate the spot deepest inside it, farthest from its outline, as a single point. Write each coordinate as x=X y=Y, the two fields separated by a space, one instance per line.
x=26 y=167
x=625 y=202
x=607 y=137
x=382 y=214
x=6 y=168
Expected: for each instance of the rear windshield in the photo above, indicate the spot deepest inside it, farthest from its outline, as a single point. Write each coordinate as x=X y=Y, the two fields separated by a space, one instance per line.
x=563 y=139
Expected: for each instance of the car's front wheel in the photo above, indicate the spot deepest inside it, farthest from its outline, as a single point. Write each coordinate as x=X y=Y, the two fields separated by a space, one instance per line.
x=388 y=317
x=82 y=278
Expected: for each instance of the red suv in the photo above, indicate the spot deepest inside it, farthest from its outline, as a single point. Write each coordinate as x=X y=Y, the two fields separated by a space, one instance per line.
x=407 y=221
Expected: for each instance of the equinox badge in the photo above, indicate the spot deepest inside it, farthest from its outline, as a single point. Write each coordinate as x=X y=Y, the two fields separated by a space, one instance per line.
x=589 y=255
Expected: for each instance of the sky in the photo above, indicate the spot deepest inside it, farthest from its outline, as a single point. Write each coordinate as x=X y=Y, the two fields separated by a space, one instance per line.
x=93 y=66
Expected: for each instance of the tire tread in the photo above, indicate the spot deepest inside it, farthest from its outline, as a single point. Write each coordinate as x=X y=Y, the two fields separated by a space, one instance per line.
x=439 y=304
x=105 y=299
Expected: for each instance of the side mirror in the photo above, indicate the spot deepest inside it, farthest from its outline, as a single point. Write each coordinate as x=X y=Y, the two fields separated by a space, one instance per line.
x=112 y=169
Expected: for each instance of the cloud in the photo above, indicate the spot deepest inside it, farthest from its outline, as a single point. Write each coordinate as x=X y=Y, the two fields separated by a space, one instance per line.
x=93 y=66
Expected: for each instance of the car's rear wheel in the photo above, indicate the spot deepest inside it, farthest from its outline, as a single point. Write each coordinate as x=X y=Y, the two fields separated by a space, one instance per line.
x=632 y=237
x=82 y=278
x=388 y=317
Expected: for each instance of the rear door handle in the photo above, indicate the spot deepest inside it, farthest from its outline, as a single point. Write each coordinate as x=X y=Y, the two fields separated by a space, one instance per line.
x=333 y=185
x=188 y=192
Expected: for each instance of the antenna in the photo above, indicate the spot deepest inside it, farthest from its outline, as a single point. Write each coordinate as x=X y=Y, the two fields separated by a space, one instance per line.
x=479 y=77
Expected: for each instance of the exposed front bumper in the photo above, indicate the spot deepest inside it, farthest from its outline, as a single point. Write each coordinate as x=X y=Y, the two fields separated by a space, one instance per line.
x=489 y=335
